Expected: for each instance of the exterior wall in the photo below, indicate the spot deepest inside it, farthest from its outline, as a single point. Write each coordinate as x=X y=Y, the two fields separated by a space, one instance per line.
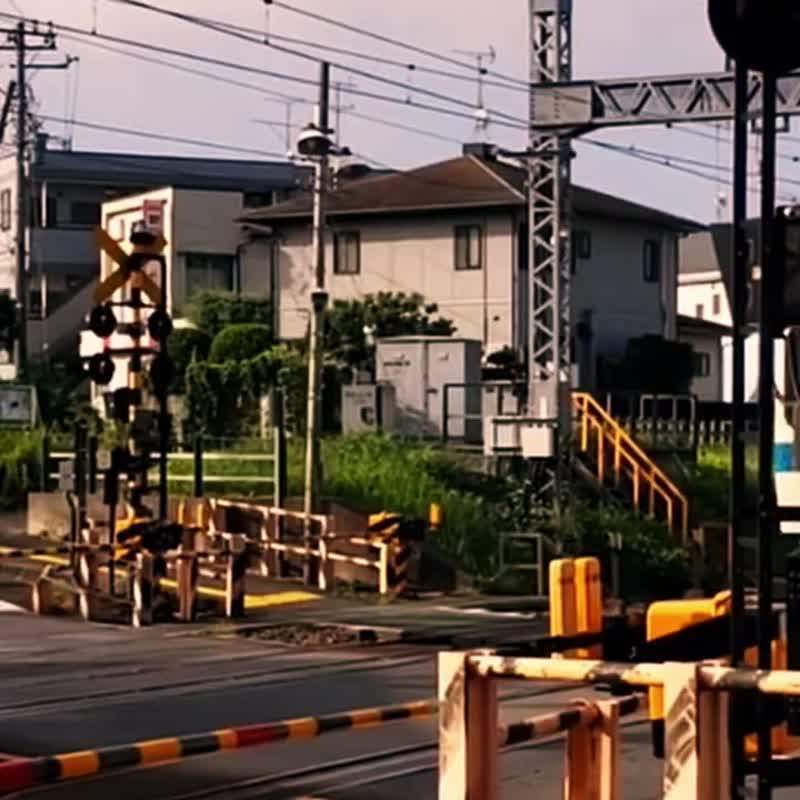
x=410 y=255
x=8 y=268
x=417 y=255
x=203 y=222
x=707 y=388
x=610 y=290
x=696 y=292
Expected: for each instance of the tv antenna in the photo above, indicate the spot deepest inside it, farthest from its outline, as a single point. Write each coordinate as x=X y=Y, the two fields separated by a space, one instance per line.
x=481 y=57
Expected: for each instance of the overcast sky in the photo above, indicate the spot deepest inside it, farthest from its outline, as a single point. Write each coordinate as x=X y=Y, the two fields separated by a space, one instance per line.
x=612 y=38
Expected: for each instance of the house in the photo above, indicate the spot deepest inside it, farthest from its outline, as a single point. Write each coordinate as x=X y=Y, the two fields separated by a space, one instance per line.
x=68 y=189
x=709 y=340
x=457 y=233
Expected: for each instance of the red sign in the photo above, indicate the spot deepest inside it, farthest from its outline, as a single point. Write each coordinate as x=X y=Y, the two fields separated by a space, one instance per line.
x=153 y=212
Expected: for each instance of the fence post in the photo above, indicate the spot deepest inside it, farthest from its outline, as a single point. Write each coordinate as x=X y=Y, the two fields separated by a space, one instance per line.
x=45 y=483
x=609 y=751
x=198 y=465
x=235 y=575
x=143 y=590
x=468 y=745
x=280 y=474
x=187 y=578
x=579 y=764
x=93 y=444
x=88 y=584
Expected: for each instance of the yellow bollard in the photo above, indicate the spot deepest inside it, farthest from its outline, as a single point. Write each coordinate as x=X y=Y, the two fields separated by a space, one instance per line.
x=671 y=616
x=435 y=517
x=588 y=603
x=562 y=598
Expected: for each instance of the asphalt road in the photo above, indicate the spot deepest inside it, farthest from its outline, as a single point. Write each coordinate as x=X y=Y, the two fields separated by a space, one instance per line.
x=69 y=686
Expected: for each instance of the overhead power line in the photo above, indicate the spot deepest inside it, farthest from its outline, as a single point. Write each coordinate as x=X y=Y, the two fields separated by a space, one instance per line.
x=162 y=137
x=392 y=41
x=220 y=27
x=261 y=71
x=411 y=67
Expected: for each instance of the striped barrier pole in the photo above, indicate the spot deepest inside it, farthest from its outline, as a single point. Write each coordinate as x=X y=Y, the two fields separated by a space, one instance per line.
x=87 y=584
x=41 y=593
x=22 y=774
x=143 y=590
x=65 y=550
x=235 y=575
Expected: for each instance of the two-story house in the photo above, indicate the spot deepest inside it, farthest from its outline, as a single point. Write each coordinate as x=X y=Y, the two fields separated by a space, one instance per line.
x=67 y=190
x=457 y=233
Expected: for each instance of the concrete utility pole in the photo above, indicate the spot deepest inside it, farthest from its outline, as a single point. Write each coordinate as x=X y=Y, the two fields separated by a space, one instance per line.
x=23 y=39
x=319 y=297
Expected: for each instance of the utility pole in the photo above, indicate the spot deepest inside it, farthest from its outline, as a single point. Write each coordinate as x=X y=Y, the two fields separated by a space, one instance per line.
x=23 y=40
x=320 y=147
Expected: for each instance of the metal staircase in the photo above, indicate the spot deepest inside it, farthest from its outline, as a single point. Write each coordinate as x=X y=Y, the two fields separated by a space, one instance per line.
x=617 y=460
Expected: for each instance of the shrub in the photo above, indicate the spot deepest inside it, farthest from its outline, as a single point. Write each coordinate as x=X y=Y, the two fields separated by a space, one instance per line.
x=184 y=346
x=20 y=466
x=240 y=343
x=212 y=311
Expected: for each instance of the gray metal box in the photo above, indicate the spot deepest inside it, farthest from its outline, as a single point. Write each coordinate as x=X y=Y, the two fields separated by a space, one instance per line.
x=368 y=408
x=419 y=367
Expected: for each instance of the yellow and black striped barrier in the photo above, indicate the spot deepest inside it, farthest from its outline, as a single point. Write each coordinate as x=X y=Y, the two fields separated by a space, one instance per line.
x=20 y=774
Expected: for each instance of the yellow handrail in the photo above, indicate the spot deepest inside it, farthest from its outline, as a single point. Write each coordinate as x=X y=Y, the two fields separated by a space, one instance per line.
x=642 y=466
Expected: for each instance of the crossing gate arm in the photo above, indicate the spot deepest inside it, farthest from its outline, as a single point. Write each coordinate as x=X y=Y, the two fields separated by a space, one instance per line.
x=22 y=774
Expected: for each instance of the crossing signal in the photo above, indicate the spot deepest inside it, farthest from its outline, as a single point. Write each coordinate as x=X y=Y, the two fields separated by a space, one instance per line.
x=101 y=368
x=102 y=321
x=159 y=325
x=162 y=373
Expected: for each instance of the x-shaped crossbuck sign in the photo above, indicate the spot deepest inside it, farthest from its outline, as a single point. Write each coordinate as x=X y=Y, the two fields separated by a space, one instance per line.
x=129 y=268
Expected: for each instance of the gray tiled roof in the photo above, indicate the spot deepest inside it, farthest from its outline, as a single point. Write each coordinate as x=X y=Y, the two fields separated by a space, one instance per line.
x=121 y=169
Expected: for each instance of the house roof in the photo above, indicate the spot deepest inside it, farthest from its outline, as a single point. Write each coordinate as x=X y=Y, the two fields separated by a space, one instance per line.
x=464 y=182
x=696 y=325
x=710 y=250
x=127 y=169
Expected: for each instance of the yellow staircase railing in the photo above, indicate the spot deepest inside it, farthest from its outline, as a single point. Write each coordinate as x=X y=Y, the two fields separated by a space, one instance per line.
x=617 y=456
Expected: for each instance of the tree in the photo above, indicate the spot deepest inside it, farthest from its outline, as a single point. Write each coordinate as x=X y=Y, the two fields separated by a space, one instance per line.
x=212 y=311
x=387 y=314
x=654 y=365
x=184 y=346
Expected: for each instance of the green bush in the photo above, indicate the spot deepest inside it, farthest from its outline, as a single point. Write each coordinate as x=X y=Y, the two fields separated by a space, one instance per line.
x=184 y=346
x=213 y=311
x=240 y=343
x=20 y=466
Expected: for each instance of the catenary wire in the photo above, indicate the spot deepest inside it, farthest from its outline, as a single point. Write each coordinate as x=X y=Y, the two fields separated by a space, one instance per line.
x=408 y=102
x=215 y=25
x=395 y=42
x=410 y=67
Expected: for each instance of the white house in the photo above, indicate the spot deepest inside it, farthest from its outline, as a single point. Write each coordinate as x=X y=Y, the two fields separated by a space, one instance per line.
x=67 y=190
x=457 y=233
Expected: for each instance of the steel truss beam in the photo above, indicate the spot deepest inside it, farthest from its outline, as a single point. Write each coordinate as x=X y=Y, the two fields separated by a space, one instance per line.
x=549 y=212
x=582 y=105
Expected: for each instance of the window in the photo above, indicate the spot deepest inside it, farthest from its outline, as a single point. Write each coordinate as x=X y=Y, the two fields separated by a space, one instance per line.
x=651 y=266
x=257 y=199
x=347 y=253
x=701 y=365
x=699 y=311
x=51 y=212
x=581 y=248
x=716 y=304
x=469 y=246
x=5 y=210
x=208 y=271
x=82 y=213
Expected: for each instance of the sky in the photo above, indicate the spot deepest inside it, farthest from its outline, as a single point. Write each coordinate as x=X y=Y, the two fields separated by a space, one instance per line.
x=615 y=38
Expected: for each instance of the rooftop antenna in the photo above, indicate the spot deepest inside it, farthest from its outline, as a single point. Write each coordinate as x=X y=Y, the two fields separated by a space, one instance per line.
x=481 y=58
